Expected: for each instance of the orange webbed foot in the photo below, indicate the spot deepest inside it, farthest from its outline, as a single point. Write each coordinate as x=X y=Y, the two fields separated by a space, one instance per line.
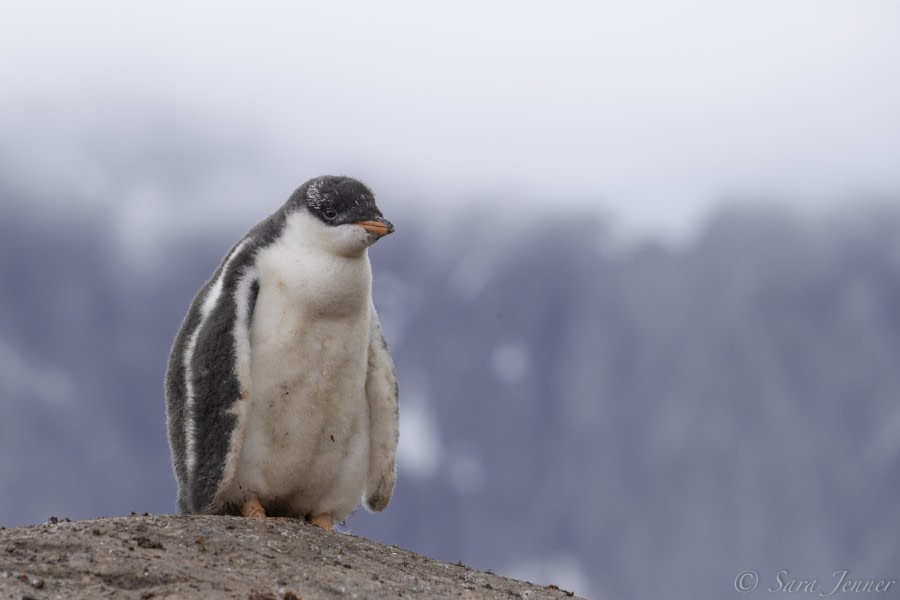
x=323 y=521
x=252 y=509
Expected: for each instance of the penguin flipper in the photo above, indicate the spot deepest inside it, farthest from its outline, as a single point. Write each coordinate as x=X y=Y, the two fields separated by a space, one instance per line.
x=211 y=359
x=382 y=394
x=246 y=292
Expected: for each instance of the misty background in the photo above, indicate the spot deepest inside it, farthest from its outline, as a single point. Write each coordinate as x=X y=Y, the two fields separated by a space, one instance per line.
x=642 y=298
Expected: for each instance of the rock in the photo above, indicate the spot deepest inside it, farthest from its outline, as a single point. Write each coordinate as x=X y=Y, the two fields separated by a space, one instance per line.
x=229 y=557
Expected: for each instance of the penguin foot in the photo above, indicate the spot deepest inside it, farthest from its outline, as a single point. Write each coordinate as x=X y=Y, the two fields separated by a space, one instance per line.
x=323 y=521
x=252 y=509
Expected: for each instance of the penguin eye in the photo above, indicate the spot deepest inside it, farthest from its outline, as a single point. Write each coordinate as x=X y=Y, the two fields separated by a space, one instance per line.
x=329 y=213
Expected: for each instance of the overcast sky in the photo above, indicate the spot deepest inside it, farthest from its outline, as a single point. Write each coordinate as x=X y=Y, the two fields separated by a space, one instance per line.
x=650 y=109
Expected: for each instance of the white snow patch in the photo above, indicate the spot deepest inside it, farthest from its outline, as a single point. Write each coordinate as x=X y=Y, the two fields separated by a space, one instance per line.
x=466 y=471
x=510 y=361
x=45 y=382
x=419 y=450
x=471 y=275
x=562 y=569
x=885 y=444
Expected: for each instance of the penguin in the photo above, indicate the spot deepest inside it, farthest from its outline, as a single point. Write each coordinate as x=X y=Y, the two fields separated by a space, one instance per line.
x=281 y=395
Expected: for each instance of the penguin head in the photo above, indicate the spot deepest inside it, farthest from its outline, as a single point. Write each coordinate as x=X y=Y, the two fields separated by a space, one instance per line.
x=345 y=210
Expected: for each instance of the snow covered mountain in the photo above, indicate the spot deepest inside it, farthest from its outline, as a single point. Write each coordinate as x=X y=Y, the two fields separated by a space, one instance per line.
x=630 y=422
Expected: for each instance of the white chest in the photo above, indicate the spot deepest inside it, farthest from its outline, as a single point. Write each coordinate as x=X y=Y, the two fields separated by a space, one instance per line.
x=306 y=435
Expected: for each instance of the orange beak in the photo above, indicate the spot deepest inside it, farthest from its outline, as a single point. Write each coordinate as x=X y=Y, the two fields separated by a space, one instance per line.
x=376 y=227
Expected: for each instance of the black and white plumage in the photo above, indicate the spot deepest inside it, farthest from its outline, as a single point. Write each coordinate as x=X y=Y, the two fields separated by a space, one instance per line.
x=280 y=386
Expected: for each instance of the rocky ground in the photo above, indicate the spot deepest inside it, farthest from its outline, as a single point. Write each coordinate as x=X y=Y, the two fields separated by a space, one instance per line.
x=150 y=556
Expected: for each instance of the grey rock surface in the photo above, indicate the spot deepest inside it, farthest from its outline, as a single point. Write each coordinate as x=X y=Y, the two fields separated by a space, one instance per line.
x=154 y=556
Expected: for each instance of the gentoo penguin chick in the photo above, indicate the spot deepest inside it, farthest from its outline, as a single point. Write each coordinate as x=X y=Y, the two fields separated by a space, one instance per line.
x=280 y=391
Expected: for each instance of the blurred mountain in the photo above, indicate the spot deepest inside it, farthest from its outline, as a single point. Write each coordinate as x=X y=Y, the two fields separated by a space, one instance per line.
x=626 y=421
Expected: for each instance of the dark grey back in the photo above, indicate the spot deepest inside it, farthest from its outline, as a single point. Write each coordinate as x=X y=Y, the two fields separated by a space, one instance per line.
x=214 y=381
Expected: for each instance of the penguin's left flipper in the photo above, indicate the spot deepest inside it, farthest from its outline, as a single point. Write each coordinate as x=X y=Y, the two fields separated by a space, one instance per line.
x=381 y=392
x=207 y=379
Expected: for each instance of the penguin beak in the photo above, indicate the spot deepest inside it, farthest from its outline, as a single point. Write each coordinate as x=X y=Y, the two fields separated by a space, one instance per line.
x=379 y=227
